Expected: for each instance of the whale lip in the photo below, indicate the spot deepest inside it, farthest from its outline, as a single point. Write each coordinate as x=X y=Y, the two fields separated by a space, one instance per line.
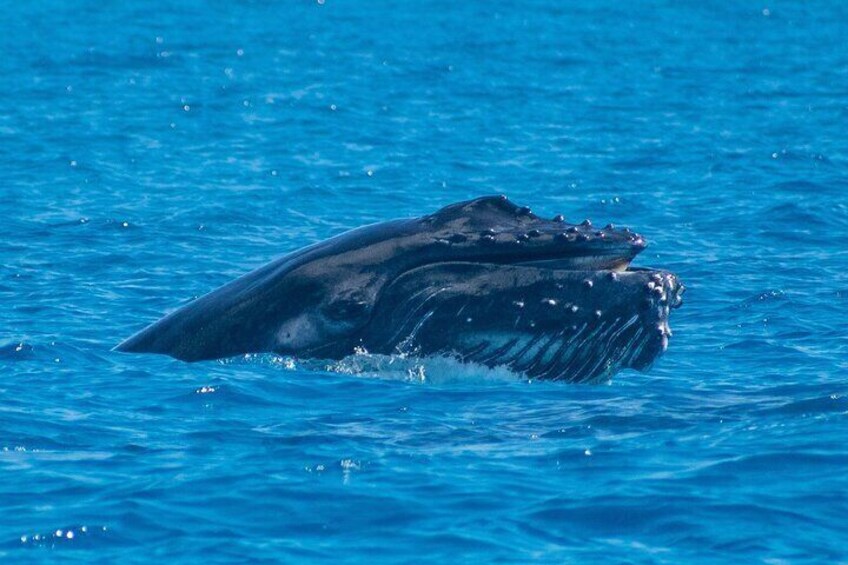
x=587 y=263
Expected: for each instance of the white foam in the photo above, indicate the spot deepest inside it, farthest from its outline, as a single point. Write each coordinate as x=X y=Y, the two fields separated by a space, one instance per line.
x=436 y=369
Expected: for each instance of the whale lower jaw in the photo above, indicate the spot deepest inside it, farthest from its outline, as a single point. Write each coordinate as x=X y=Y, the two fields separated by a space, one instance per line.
x=576 y=326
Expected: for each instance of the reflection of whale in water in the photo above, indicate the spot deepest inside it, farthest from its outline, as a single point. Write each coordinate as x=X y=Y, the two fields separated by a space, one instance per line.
x=484 y=281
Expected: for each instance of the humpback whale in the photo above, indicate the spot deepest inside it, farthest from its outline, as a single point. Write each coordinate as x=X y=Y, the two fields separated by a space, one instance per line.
x=484 y=281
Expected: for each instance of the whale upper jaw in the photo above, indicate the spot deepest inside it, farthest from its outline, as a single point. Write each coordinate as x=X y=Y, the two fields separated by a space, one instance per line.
x=492 y=229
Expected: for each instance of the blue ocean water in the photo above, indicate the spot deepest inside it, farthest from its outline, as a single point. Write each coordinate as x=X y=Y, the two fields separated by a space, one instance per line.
x=150 y=152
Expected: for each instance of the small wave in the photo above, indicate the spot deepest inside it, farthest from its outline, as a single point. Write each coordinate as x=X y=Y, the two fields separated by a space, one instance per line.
x=69 y=536
x=768 y=296
x=398 y=367
x=17 y=351
x=438 y=369
x=833 y=403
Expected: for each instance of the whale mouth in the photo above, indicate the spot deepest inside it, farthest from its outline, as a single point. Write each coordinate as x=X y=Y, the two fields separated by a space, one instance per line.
x=587 y=263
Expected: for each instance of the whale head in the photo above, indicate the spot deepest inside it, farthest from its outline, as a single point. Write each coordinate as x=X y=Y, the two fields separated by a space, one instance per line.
x=329 y=298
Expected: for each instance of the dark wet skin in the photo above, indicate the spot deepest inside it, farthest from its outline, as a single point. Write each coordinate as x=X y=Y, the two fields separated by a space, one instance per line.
x=326 y=299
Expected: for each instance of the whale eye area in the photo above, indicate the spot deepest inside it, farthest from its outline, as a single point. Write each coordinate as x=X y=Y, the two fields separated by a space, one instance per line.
x=345 y=309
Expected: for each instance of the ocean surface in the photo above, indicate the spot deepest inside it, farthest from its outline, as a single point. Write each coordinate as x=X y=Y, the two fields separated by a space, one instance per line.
x=150 y=152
